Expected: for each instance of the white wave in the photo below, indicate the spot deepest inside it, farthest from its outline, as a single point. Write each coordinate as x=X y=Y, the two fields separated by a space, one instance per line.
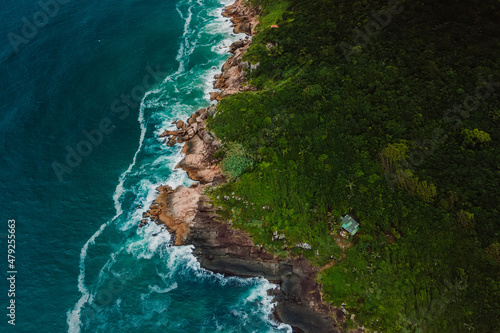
x=240 y=314
x=73 y=317
x=152 y=239
x=208 y=81
x=178 y=176
x=146 y=193
x=157 y=289
x=185 y=44
x=181 y=260
x=265 y=303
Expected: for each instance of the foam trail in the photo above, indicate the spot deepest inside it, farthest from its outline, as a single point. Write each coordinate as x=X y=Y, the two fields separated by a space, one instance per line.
x=146 y=245
x=73 y=316
x=184 y=44
x=73 y=320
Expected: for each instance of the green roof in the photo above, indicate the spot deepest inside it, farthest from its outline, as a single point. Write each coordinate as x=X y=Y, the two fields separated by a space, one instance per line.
x=350 y=224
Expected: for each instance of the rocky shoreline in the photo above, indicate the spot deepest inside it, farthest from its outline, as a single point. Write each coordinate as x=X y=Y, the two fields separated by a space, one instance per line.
x=191 y=218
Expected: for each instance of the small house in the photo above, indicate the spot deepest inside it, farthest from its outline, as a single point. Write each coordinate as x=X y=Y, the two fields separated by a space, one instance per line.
x=349 y=224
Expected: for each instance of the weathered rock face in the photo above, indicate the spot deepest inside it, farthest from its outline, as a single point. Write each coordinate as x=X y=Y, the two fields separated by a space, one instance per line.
x=177 y=208
x=186 y=131
x=243 y=17
x=225 y=250
x=230 y=81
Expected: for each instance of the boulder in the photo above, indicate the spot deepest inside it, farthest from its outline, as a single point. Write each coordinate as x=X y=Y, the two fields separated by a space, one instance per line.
x=155 y=212
x=214 y=95
x=172 y=141
x=164 y=188
x=194 y=127
x=167 y=133
x=180 y=124
x=236 y=45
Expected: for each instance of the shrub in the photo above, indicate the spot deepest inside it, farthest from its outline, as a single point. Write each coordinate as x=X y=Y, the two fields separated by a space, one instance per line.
x=236 y=161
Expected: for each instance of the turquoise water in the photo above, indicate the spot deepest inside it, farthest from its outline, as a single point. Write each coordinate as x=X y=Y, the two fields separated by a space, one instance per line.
x=82 y=264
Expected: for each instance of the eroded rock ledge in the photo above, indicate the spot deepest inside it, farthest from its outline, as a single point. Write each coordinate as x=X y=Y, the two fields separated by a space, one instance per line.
x=230 y=81
x=225 y=250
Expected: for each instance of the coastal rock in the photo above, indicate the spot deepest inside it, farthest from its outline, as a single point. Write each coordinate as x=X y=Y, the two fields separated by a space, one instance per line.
x=197 y=162
x=231 y=79
x=167 y=133
x=194 y=128
x=214 y=95
x=172 y=142
x=164 y=188
x=244 y=18
x=187 y=130
x=193 y=220
x=225 y=250
x=178 y=211
x=238 y=44
x=180 y=124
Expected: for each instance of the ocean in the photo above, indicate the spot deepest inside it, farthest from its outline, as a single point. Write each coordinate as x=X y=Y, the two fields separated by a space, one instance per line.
x=86 y=88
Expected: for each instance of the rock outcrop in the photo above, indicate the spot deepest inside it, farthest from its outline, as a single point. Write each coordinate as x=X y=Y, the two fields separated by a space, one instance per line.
x=230 y=81
x=225 y=250
x=189 y=215
x=243 y=17
x=177 y=208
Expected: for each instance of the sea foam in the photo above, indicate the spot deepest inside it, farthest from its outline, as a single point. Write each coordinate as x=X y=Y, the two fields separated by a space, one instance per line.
x=154 y=164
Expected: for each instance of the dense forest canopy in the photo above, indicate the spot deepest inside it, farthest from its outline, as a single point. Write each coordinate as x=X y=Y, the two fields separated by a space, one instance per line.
x=388 y=110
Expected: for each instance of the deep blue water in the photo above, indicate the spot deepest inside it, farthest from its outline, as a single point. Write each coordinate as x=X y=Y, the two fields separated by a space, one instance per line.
x=82 y=264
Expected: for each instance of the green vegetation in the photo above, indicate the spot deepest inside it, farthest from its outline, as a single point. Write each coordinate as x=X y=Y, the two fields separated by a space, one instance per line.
x=399 y=127
x=235 y=161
